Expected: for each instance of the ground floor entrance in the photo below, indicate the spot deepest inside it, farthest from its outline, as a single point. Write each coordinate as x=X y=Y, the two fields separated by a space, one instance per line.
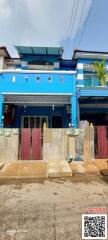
x=30 y=144
x=95 y=110
x=21 y=111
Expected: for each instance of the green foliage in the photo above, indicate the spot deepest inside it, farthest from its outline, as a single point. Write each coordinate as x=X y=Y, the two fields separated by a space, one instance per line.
x=99 y=68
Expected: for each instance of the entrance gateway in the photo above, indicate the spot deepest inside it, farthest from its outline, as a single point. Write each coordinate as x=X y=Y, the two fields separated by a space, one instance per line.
x=32 y=111
x=30 y=144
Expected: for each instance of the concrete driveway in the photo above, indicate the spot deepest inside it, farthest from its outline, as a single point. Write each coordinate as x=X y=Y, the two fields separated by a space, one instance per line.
x=45 y=209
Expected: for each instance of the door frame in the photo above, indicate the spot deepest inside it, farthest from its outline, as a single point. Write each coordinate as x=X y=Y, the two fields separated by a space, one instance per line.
x=22 y=120
x=56 y=115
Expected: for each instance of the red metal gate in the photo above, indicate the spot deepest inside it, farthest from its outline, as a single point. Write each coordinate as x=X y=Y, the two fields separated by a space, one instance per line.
x=102 y=142
x=30 y=144
x=25 y=144
x=36 y=144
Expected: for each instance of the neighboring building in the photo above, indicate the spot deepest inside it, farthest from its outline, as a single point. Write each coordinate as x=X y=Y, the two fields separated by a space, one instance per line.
x=92 y=98
x=41 y=87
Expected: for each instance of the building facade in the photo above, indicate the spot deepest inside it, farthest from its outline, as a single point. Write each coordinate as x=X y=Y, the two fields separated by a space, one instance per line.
x=40 y=87
x=92 y=98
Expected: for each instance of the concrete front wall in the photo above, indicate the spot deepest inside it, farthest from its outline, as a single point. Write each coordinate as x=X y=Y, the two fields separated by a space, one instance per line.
x=89 y=144
x=9 y=145
x=55 y=144
x=58 y=145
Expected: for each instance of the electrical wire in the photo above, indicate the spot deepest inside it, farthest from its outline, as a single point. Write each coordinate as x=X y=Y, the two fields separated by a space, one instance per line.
x=68 y=31
x=85 y=24
x=75 y=13
x=80 y=22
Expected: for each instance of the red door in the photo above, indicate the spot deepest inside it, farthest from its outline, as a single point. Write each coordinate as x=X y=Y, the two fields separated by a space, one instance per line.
x=25 y=143
x=102 y=142
x=36 y=144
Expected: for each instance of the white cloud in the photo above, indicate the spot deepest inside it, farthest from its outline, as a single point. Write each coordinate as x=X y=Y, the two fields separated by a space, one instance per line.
x=36 y=22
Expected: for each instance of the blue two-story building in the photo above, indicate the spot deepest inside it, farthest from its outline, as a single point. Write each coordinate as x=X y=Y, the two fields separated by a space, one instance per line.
x=36 y=88
x=41 y=87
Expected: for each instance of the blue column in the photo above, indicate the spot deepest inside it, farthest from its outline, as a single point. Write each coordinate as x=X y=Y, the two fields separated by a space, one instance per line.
x=74 y=114
x=74 y=106
x=1 y=108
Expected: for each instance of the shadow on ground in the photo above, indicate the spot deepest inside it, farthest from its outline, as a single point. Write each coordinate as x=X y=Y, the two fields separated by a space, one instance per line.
x=78 y=178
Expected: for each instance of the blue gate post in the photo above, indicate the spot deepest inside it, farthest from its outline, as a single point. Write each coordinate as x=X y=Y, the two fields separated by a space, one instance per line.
x=74 y=115
x=74 y=106
x=1 y=109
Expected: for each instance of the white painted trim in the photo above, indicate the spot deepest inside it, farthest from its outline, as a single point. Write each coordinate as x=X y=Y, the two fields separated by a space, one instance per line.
x=79 y=85
x=80 y=66
x=91 y=55
x=80 y=76
x=36 y=71
x=33 y=94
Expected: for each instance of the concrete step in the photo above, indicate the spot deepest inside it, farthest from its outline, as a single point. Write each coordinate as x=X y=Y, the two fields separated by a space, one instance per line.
x=84 y=167
x=59 y=168
x=24 y=169
x=101 y=164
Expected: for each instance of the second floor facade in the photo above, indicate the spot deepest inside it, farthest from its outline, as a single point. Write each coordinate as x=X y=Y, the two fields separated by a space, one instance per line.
x=43 y=70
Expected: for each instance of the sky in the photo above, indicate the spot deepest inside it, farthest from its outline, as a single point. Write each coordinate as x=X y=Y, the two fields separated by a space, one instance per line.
x=54 y=23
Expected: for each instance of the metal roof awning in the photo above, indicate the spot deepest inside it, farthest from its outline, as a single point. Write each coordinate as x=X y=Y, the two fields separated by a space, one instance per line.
x=97 y=92
x=37 y=99
x=26 y=50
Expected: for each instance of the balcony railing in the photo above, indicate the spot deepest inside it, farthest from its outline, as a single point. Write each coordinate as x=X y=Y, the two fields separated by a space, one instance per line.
x=92 y=80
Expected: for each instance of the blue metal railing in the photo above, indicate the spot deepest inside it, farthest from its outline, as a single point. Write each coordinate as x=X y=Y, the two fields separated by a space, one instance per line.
x=91 y=80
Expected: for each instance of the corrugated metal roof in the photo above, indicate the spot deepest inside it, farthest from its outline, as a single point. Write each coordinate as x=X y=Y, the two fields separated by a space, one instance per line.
x=24 y=50
x=93 y=92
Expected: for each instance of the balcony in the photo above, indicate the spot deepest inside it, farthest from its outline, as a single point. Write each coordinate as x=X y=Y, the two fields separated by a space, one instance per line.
x=92 y=80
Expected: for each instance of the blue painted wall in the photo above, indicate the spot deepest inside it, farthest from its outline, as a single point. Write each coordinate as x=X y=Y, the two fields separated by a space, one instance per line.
x=51 y=83
x=58 y=83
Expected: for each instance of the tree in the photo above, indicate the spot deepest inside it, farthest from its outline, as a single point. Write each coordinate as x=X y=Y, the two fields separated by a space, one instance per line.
x=99 y=68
